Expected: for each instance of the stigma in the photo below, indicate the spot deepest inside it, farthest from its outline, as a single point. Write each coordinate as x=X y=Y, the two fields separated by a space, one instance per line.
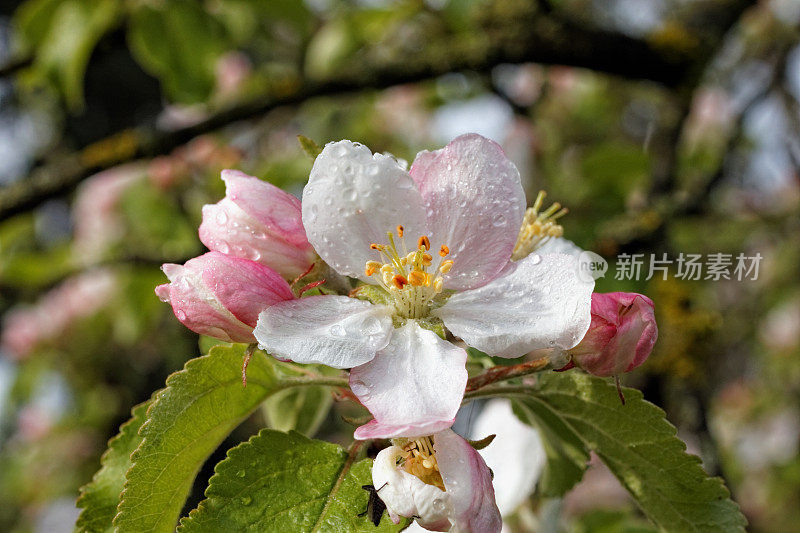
x=538 y=228
x=410 y=277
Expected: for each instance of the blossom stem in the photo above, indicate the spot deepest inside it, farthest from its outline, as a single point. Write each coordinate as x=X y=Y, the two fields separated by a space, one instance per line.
x=312 y=381
x=503 y=373
x=496 y=390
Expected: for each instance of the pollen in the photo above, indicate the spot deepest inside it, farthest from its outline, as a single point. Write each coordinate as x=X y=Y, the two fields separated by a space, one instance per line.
x=413 y=279
x=538 y=227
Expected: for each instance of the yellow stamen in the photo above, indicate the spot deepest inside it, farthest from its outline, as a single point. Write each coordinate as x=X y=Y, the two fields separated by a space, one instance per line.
x=444 y=251
x=445 y=267
x=399 y=281
x=424 y=243
x=400 y=231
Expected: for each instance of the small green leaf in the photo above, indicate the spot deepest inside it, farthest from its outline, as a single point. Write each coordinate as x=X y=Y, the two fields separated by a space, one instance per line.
x=300 y=409
x=482 y=443
x=309 y=146
x=100 y=497
x=638 y=445
x=286 y=482
x=187 y=420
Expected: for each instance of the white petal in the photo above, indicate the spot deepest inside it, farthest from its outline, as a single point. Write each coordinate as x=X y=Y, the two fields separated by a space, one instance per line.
x=352 y=199
x=468 y=482
x=335 y=331
x=538 y=302
x=516 y=455
x=405 y=494
x=559 y=245
x=413 y=387
x=475 y=205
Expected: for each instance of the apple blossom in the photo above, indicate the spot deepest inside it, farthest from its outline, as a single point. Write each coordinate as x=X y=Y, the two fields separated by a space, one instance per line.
x=461 y=208
x=221 y=295
x=621 y=336
x=439 y=479
x=260 y=222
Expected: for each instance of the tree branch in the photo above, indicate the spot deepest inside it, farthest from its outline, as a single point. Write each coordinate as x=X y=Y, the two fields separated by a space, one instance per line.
x=514 y=31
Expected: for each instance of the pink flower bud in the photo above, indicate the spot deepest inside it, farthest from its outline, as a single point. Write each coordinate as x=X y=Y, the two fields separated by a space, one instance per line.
x=621 y=335
x=260 y=222
x=221 y=295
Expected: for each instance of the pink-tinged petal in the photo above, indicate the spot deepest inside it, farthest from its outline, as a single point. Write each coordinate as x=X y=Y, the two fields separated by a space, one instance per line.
x=336 y=331
x=258 y=221
x=475 y=205
x=516 y=456
x=621 y=336
x=352 y=199
x=413 y=387
x=406 y=495
x=468 y=482
x=244 y=287
x=537 y=302
x=195 y=304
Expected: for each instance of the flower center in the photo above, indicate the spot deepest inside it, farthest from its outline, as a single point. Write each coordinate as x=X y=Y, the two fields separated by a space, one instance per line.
x=537 y=228
x=409 y=277
x=419 y=459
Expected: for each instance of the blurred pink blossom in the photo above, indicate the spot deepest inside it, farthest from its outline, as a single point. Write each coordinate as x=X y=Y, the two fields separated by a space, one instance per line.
x=98 y=223
x=27 y=327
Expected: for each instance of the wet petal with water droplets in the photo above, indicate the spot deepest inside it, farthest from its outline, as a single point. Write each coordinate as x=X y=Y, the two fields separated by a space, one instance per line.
x=413 y=387
x=475 y=205
x=352 y=199
x=468 y=483
x=537 y=302
x=336 y=331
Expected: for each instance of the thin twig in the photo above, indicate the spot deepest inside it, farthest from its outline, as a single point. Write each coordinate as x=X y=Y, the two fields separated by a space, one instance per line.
x=504 y=373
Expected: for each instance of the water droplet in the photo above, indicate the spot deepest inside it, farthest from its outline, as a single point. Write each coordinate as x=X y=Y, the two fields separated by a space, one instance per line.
x=536 y=259
x=180 y=314
x=498 y=220
x=240 y=473
x=337 y=330
x=349 y=194
x=222 y=217
x=247 y=500
x=359 y=388
x=370 y=326
x=222 y=246
x=438 y=504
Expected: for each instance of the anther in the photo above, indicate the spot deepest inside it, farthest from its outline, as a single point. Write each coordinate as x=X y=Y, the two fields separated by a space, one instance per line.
x=424 y=243
x=399 y=231
x=444 y=251
x=378 y=247
x=445 y=267
x=399 y=281
x=416 y=278
x=427 y=259
x=438 y=285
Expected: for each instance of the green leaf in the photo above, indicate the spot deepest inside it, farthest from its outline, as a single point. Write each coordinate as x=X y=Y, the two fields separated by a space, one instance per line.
x=567 y=456
x=201 y=405
x=639 y=446
x=308 y=145
x=301 y=409
x=64 y=34
x=286 y=482
x=100 y=497
x=179 y=42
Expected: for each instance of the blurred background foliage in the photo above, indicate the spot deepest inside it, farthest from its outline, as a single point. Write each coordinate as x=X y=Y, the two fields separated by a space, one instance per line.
x=666 y=126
